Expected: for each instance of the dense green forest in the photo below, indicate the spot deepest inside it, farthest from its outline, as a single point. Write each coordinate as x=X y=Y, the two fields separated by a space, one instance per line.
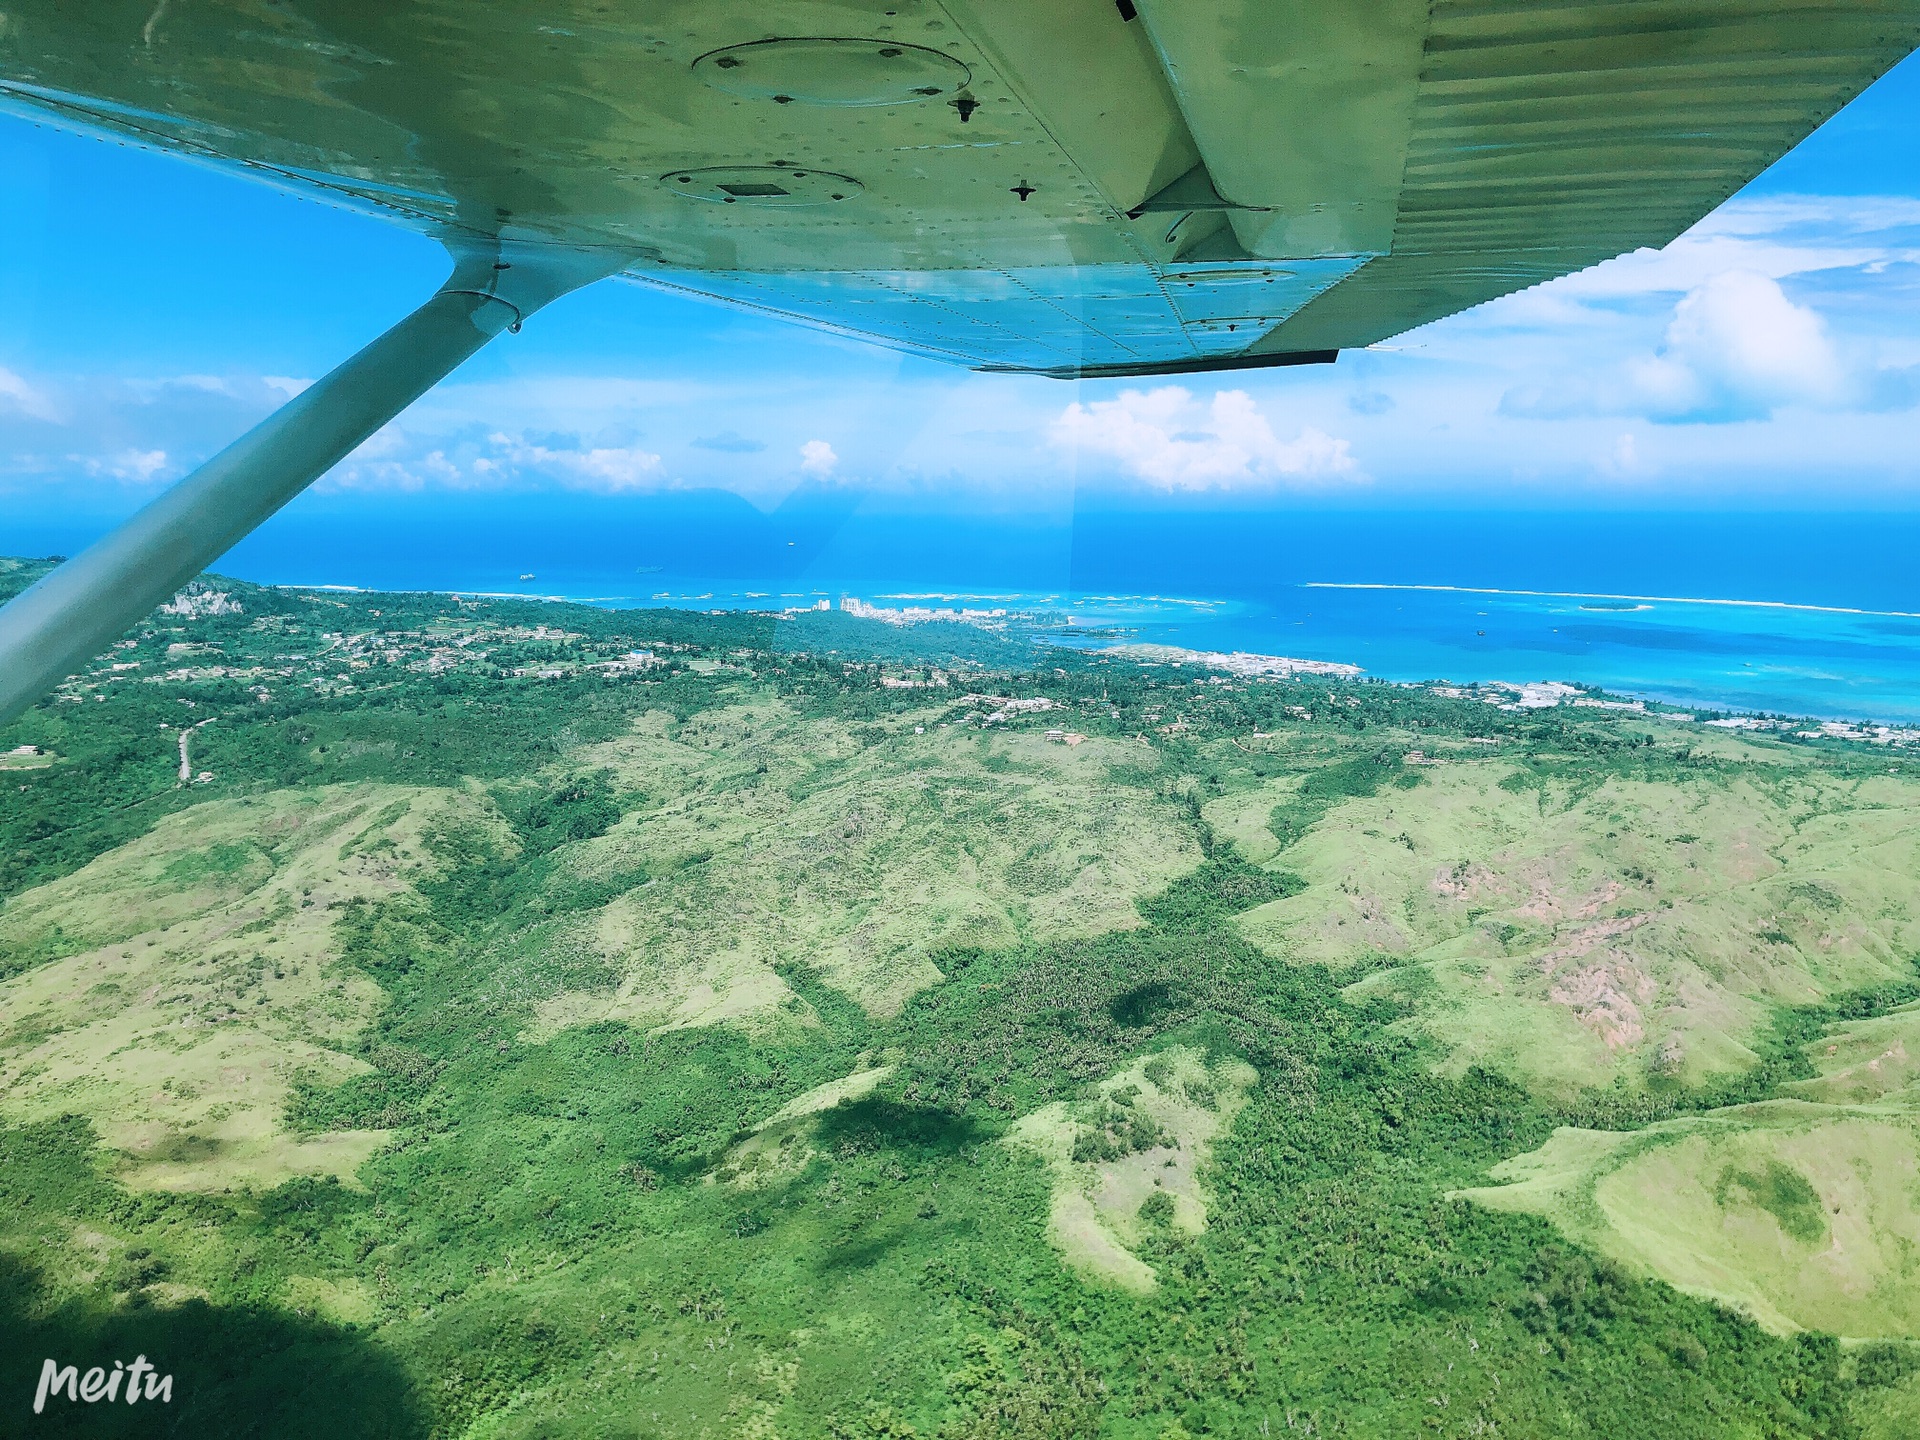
x=531 y=1020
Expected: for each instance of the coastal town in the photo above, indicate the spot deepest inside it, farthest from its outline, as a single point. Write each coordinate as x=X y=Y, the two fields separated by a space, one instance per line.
x=331 y=645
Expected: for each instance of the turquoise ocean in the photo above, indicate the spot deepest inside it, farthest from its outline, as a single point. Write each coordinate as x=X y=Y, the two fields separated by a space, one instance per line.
x=1798 y=613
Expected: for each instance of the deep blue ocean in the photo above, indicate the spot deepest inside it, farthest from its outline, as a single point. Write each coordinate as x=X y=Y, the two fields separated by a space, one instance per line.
x=1827 y=624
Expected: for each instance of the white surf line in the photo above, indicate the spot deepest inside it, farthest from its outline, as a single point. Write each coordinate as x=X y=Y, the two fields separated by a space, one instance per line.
x=1600 y=595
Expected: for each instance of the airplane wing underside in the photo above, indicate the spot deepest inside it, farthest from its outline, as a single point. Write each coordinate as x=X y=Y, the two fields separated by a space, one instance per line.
x=1064 y=186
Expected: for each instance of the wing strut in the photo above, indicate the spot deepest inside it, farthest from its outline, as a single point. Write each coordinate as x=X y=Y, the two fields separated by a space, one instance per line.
x=50 y=630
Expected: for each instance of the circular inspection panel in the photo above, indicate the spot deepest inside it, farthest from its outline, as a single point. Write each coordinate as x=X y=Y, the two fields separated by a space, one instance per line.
x=832 y=72
x=771 y=185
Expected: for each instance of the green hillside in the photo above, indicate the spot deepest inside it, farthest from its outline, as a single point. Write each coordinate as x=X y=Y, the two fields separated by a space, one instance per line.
x=531 y=1020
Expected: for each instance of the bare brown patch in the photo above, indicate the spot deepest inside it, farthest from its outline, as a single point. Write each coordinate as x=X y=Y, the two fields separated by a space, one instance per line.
x=1587 y=938
x=1607 y=999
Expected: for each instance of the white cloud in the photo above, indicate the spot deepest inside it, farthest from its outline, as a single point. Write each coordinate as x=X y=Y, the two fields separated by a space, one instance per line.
x=138 y=467
x=1840 y=239
x=1888 y=219
x=1170 y=439
x=397 y=458
x=1696 y=258
x=210 y=384
x=1780 y=239
x=1735 y=348
x=394 y=459
x=817 y=458
x=23 y=399
x=610 y=469
x=1624 y=461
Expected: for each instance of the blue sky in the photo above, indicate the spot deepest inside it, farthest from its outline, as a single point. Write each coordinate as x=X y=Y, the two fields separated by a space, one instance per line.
x=1769 y=358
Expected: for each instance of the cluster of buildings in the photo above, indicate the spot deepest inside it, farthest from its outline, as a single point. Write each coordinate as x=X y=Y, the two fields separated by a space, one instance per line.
x=1240 y=663
x=1005 y=708
x=1530 y=695
x=918 y=614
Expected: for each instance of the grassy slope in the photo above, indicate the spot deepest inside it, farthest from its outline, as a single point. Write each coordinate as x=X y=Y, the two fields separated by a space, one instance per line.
x=189 y=979
x=1803 y=1216
x=1803 y=1211
x=1639 y=928
x=1640 y=934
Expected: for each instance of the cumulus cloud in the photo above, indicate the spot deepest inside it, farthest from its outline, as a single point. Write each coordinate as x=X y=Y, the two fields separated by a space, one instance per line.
x=136 y=467
x=610 y=469
x=1169 y=438
x=396 y=458
x=817 y=458
x=1736 y=348
x=393 y=458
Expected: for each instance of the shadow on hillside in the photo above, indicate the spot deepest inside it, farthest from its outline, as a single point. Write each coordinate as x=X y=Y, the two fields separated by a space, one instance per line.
x=238 y=1371
x=875 y=1123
